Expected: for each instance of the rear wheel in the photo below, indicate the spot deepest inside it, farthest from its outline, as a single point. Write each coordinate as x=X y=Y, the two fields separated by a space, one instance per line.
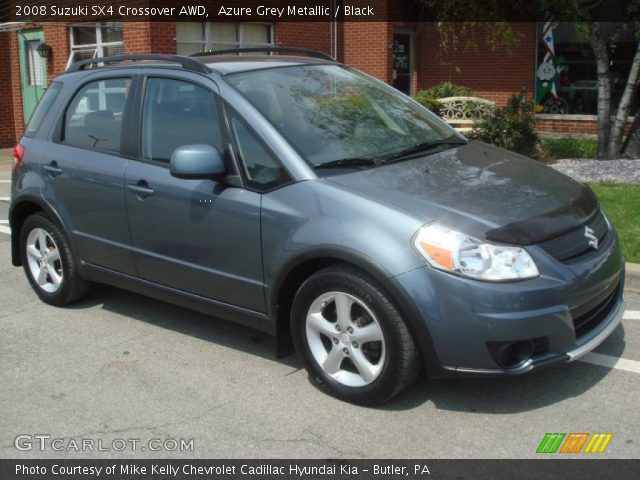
x=351 y=338
x=49 y=263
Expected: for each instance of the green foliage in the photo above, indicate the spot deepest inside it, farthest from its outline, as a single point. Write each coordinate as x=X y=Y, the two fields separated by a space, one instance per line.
x=447 y=89
x=512 y=127
x=621 y=203
x=429 y=98
x=568 y=147
x=426 y=101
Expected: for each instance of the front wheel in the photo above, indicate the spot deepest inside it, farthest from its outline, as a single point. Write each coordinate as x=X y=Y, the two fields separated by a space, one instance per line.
x=351 y=338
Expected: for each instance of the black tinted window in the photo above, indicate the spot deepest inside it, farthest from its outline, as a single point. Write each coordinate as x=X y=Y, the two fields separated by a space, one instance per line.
x=43 y=107
x=94 y=117
x=177 y=113
x=261 y=168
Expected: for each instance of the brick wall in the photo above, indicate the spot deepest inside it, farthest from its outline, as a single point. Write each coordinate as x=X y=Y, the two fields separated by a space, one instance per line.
x=576 y=126
x=57 y=36
x=7 y=121
x=366 y=46
x=149 y=37
x=494 y=75
x=315 y=35
x=17 y=122
x=581 y=127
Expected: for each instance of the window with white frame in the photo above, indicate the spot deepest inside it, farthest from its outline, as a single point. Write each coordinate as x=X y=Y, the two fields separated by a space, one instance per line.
x=192 y=37
x=95 y=40
x=566 y=75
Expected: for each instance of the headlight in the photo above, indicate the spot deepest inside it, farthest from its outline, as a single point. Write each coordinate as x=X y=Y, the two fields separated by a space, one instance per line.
x=455 y=252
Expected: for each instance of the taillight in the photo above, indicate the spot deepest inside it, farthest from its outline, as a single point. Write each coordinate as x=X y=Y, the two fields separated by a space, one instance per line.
x=18 y=155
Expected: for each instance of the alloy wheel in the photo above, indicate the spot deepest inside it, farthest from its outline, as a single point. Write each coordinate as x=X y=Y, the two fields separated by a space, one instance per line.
x=43 y=257
x=345 y=339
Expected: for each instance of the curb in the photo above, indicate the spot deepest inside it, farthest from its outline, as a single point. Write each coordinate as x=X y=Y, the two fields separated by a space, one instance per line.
x=632 y=280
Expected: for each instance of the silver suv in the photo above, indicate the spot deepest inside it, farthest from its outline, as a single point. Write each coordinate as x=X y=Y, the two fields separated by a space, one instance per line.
x=305 y=199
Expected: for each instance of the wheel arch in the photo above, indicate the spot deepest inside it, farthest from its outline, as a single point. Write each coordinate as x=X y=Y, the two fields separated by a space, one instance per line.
x=303 y=266
x=21 y=209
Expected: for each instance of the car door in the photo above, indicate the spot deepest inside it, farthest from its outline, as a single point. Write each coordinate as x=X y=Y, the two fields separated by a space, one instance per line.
x=197 y=236
x=83 y=170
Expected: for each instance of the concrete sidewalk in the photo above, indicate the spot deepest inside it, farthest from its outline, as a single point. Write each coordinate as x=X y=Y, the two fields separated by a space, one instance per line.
x=633 y=269
x=6 y=159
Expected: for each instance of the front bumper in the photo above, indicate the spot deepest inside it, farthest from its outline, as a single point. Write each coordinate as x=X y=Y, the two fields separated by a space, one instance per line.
x=565 y=313
x=608 y=325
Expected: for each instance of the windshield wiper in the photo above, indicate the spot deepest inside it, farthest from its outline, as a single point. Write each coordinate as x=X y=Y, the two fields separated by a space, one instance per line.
x=347 y=163
x=420 y=148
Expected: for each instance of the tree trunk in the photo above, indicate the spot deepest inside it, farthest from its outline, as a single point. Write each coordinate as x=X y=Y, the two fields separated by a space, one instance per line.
x=601 y=53
x=628 y=96
x=631 y=148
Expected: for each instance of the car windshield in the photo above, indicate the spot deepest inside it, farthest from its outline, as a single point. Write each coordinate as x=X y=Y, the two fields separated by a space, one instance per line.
x=336 y=116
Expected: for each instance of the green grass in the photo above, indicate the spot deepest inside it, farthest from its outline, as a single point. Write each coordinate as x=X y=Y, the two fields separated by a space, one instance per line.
x=621 y=203
x=568 y=147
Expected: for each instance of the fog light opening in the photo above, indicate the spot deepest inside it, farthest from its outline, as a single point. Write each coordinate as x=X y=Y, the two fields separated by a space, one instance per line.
x=518 y=353
x=511 y=354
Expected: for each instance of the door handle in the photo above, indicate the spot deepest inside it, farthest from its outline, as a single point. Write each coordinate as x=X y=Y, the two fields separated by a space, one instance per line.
x=141 y=189
x=53 y=169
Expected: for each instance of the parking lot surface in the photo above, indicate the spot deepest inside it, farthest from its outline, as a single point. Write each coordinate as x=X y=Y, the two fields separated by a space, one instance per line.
x=119 y=366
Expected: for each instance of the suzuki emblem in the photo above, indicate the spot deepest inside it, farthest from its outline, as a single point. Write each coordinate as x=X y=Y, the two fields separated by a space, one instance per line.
x=589 y=235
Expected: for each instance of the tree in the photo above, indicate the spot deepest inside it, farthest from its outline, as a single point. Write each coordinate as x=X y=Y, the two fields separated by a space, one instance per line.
x=588 y=15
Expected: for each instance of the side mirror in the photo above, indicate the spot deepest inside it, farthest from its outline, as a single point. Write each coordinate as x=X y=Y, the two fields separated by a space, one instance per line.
x=197 y=161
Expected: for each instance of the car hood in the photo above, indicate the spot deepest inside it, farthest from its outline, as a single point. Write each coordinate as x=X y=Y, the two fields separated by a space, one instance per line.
x=481 y=190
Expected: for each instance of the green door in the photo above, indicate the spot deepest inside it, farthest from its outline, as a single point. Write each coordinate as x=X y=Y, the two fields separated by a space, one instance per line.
x=33 y=70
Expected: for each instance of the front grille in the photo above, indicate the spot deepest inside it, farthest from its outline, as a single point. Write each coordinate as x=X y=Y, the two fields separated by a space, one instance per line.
x=574 y=244
x=586 y=322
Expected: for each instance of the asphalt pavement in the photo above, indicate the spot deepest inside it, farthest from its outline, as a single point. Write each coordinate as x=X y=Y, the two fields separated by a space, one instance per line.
x=118 y=368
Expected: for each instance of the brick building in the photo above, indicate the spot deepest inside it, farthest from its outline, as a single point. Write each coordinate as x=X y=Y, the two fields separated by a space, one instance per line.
x=404 y=54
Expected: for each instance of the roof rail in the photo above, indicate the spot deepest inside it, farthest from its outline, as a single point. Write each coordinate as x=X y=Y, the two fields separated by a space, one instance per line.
x=307 y=51
x=186 y=62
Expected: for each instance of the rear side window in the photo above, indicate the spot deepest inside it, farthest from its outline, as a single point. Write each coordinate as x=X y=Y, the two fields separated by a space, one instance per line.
x=177 y=113
x=42 y=109
x=94 y=117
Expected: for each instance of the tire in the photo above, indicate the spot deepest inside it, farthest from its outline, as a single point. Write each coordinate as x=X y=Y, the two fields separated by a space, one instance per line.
x=49 y=263
x=366 y=355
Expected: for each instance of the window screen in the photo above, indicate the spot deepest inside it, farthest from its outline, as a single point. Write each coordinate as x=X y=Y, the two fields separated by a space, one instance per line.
x=96 y=40
x=194 y=37
x=35 y=63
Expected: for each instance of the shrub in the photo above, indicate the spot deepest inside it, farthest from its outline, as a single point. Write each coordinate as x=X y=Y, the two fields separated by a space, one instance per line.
x=447 y=89
x=512 y=127
x=568 y=147
x=426 y=101
x=429 y=98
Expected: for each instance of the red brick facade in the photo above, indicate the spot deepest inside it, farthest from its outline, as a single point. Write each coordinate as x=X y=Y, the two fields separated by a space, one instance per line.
x=366 y=46
x=316 y=35
x=11 y=120
x=149 y=37
x=493 y=74
x=8 y=133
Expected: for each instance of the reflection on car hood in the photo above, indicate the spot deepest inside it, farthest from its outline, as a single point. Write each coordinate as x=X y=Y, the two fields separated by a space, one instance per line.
x=481 y=190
